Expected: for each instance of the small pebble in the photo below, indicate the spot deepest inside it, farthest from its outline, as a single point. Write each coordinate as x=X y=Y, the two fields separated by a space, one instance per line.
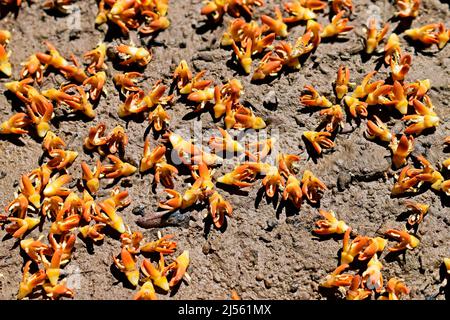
x=103 y=28
x=206 y=248
x=204 y=56
x=345 y=56
x=343 y=181
x=293 y=288
x=139 y=210
x=126 y=183
x=270 y=100
x=315 y=277
x=271 y=224
x=347 y=128
x=192 y=224
x=303 y=295
x=59 y=113
x=422 y=230
x=397 y=128
x=268 y=283
x=332 y=55
x=73 y=183
x=111 y=52
x=259 y=277
x=299 y=121
x=324 y=69
x=74 y=34
x=426 y=144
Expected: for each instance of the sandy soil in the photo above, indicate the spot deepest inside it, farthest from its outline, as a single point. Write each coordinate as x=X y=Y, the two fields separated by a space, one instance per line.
x=266 y=251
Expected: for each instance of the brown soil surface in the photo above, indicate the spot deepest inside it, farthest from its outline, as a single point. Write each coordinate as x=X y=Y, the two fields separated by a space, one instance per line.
x=266 y=251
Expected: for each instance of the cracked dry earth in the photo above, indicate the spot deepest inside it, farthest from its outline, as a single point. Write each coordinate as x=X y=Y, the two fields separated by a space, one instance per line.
x=266 y=251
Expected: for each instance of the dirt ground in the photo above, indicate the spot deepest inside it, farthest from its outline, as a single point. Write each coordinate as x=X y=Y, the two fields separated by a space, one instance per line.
x=266 y=251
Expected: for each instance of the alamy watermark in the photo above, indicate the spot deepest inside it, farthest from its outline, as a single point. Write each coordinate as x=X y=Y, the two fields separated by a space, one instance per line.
x=72 y=275
x=379 y=12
